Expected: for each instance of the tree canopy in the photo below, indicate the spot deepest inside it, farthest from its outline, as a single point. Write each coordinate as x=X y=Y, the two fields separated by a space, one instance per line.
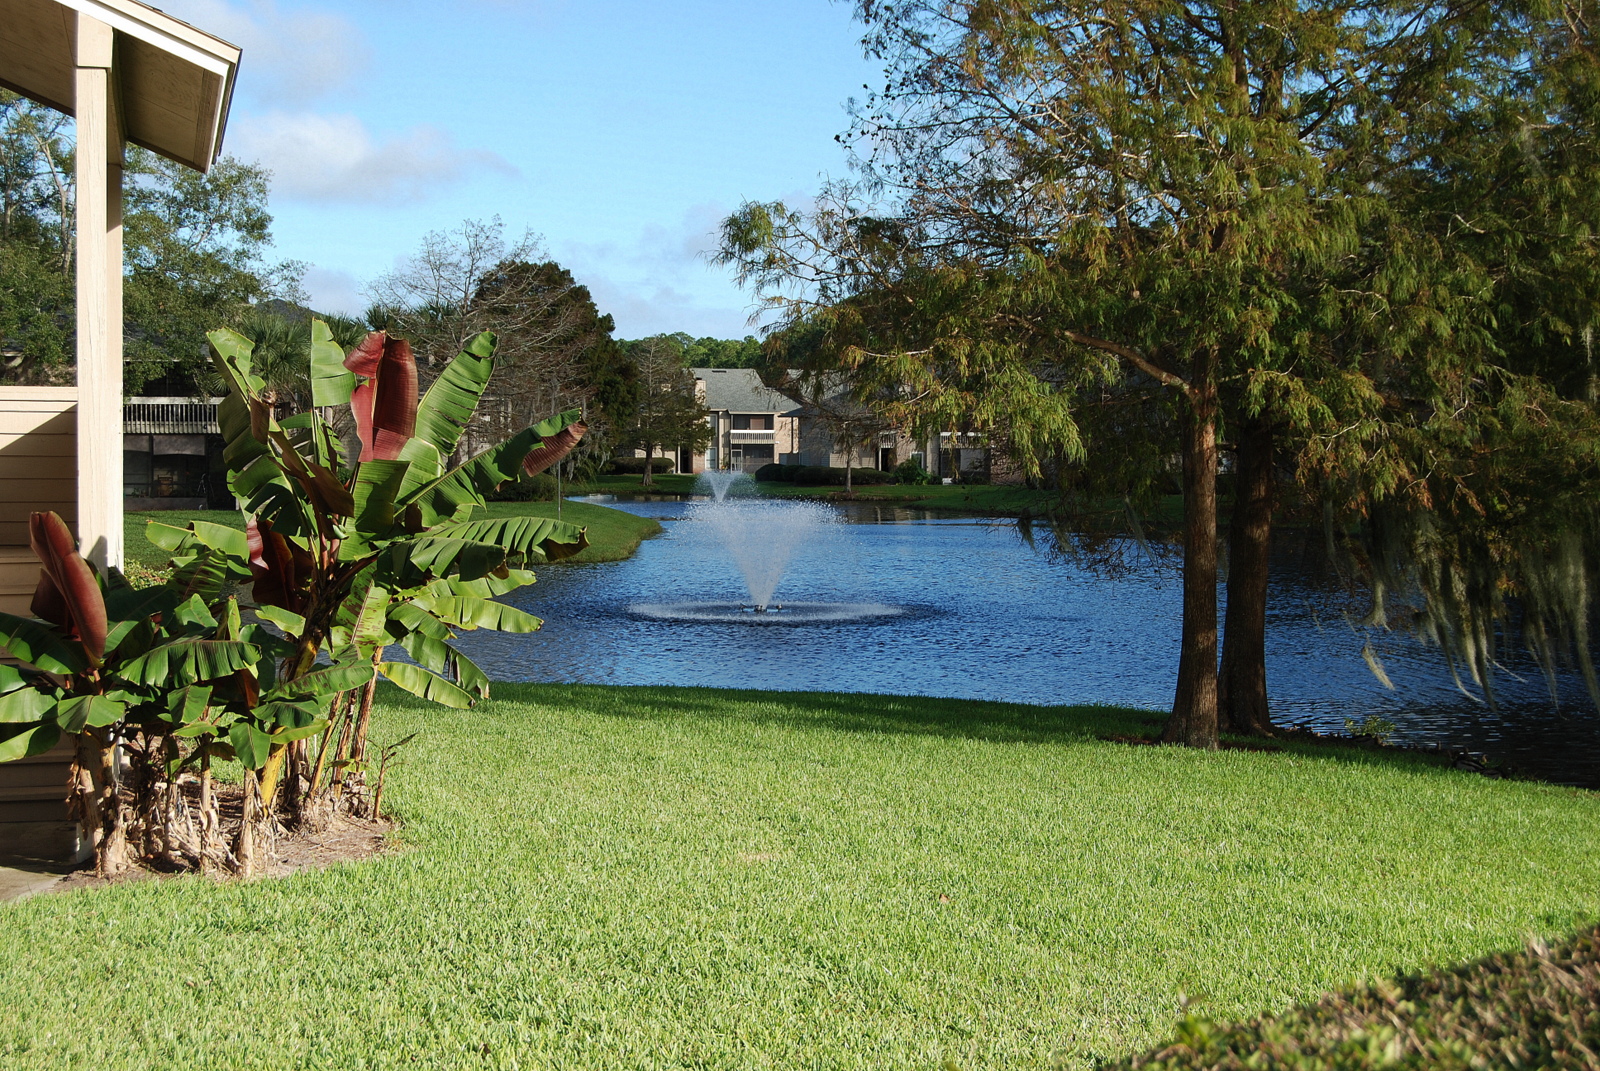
x=1190 y=203
x=196 y=252
x=556 y=349
x=668 y=413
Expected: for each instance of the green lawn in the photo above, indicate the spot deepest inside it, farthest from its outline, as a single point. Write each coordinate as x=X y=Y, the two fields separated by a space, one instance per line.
x=665 y=484
x=613 y=534
x=612 y=878
x=989 y=499
x=973 y=498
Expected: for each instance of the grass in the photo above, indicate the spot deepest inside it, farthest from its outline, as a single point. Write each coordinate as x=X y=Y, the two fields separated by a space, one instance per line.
x=613 y=534
x=596 y=877
x=662 y=483
x=987 y=499
x=137 y=548
x=967 y=498
x=1536 y=1007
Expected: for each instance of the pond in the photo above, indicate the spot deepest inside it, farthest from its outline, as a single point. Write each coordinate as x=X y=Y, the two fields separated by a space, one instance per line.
x=987 y=615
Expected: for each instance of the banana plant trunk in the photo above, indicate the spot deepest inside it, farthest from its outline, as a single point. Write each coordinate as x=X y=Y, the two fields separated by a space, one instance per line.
x=96 y=802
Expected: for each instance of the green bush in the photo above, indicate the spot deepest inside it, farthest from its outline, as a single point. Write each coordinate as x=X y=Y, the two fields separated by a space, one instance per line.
x=777 y=473
x=1536 y=1008
x=824 y=476
x=540 y=488
x=909 y=471
x=634 y=466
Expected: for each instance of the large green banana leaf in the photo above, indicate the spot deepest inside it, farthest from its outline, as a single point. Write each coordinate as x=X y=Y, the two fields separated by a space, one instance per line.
x=429 y=686
x=448 y=405
x=190 y=661
x=532 y=538
x=331 y=381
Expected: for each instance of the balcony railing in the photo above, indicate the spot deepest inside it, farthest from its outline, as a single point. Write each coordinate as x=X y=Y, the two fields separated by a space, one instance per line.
x=170 y=417
x=761 y=436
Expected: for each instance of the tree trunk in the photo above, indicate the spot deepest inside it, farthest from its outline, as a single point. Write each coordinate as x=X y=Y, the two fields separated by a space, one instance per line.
x=1242 y=684
x=244 y=848
x=649 y=460
x=1194 y=708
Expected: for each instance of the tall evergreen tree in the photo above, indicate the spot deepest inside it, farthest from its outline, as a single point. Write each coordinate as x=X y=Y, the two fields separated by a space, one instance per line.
x=1064 y=195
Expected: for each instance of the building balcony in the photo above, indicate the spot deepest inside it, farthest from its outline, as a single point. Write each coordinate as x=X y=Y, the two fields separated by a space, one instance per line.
x=764 y=436
x=169 y=416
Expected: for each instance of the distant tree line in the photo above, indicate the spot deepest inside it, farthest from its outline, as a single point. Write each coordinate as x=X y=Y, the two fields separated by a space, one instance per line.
x=195 y=252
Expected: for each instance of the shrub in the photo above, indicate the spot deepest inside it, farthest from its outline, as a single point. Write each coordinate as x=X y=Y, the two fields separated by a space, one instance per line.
x=824 y=476
x=634 y=466
x=909 y=471
x=1535 y=1008
x=539 y=488
x=777 y=473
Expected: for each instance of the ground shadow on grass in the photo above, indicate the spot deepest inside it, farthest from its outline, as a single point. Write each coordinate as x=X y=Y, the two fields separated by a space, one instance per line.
x=1530 y=1008
x=869 y=713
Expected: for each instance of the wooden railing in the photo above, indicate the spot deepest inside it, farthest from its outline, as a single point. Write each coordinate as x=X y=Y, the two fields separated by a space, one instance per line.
x=169 y=416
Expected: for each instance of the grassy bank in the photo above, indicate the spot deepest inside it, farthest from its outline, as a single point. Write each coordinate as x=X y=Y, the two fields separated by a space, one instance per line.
x=969 y=498
x=985 y=499
x=601 y=877
x=613 y=534
x=665 y=484
x=1532 y=1008
x=966 y=498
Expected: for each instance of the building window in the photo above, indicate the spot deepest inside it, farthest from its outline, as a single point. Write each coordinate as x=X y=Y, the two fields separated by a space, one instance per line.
x=746 y=422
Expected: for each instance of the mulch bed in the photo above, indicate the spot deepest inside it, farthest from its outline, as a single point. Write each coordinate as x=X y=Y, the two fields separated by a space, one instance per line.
x=338 y=838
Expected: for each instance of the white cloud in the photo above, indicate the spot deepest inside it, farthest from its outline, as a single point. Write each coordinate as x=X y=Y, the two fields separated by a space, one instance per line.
x=333 y=291
x=290 y=57
x=334 y=158
x=692 y=241
x=662 y=280
x=641 y=311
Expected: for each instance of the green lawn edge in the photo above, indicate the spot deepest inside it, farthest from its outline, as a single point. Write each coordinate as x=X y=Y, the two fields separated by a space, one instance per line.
x=983 y=500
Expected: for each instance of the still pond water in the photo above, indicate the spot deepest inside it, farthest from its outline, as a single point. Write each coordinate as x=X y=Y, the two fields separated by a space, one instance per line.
x=990 y=616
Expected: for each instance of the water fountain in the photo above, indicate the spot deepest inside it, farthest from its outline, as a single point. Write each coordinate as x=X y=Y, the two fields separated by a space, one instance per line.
x=762 y=537
x=720 y=482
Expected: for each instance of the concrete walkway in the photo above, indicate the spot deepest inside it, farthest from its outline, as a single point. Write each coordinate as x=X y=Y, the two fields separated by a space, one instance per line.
x=16 y=884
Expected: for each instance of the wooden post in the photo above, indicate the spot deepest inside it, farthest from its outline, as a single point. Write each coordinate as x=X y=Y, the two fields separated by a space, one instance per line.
x=99 y=295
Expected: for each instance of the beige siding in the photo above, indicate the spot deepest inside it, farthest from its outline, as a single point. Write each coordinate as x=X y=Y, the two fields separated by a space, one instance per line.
x=38 y=458
x=19 y=575
x=34 y=821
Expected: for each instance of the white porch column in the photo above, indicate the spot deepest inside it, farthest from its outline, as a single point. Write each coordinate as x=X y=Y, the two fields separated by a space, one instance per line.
x=99 y=295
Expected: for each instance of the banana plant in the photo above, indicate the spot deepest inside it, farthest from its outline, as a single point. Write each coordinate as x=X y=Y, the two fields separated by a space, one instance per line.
x=103 y=663
x=391 y=553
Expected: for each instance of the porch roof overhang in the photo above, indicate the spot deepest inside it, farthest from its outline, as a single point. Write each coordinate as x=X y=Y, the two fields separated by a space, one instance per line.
x=174 y=82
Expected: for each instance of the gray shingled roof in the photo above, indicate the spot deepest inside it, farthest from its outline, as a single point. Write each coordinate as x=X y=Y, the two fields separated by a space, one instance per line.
x=740 y=390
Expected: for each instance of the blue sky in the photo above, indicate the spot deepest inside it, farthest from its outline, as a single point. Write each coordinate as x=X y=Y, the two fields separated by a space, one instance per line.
x=622 y=131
